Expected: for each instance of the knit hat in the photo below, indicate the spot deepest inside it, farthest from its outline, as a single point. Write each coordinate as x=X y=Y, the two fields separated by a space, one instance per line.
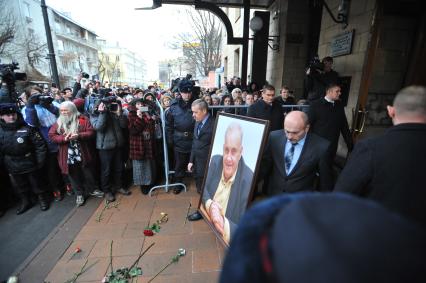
x=325 y=237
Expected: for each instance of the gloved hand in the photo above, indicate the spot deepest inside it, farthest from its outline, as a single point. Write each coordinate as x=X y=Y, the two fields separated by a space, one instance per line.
x=33 y=99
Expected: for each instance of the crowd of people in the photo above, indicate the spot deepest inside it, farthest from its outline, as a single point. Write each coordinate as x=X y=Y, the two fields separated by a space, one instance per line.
x=94 y=140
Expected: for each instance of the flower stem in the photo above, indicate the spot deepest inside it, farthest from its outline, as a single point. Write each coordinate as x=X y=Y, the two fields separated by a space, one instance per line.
x=140 y=256
x=110 y=257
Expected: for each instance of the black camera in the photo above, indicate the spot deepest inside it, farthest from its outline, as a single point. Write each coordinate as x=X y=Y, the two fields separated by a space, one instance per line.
x=315 y=64
x=85 y=75
x=111 y=103
x=108 y=99
x=46 y=99
x=8 y=79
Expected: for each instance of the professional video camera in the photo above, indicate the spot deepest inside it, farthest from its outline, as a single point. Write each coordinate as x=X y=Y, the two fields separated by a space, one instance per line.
x=110 y=102
x=8 y=79
x=41 y=99
x=85 y=75
x=315 y=65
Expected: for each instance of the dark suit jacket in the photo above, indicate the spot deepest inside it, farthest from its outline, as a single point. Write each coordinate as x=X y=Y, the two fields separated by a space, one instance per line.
x=201 y=146
x=240 y=190
x=313 y=159
x=390 y=169
x=329 y=121
x=273 y=113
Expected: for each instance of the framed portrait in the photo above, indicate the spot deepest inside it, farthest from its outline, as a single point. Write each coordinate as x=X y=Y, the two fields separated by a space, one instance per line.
x=230 y=176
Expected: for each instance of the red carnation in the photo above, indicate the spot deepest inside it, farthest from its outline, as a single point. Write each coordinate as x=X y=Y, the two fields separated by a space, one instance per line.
x=148 y=232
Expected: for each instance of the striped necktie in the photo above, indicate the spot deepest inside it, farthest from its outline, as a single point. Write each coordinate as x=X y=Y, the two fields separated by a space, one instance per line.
x=289 y=157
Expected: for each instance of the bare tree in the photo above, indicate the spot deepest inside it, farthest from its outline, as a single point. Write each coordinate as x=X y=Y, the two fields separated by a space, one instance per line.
x=33 y=48
x=7 y=27
x=202 y=47
x=108 y=69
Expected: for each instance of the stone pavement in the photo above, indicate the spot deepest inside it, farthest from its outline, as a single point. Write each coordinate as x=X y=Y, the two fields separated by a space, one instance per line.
x=124 y=226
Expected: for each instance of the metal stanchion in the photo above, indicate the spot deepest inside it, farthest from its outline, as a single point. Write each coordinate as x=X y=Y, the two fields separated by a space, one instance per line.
x=166 y=156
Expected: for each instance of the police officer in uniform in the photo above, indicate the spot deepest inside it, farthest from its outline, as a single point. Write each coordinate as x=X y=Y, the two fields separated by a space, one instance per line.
x=180 y=128
x=23 y=153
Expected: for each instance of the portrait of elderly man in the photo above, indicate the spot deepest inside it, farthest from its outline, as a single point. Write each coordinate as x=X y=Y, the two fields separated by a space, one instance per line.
x=228 y=184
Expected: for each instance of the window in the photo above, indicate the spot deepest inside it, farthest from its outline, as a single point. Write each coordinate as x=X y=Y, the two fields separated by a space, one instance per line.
x=27 y=10
x=60 y=45
x=68 y=29
x=237 y=14
x=225 y=67
x=117 y=58
x=57 y=26
x=236 y=62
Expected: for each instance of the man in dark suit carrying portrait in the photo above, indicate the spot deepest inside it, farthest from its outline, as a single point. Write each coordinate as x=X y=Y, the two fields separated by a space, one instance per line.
x=294 y=157
x=228 y=184
x=391 y=169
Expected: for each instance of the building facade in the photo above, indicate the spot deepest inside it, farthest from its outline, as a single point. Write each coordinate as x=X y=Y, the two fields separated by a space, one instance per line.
x=74 y=45
x=119 y=66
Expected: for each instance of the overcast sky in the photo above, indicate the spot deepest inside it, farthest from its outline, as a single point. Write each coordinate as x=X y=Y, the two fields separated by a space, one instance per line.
x=144 y=32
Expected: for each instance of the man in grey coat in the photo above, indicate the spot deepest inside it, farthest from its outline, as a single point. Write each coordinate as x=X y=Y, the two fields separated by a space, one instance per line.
x=108 y=121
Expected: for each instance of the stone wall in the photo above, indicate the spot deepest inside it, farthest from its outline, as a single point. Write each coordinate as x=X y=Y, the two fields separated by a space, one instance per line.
x=360 y=20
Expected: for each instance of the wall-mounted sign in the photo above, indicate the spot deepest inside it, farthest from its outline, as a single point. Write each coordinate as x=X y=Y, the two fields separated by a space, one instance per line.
x=342 y=44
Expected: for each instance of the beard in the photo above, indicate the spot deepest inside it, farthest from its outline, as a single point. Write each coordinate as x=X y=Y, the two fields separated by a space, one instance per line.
x=68 y=123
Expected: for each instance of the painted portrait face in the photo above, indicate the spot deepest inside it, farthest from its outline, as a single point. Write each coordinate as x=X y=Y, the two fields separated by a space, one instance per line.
x=232 y=151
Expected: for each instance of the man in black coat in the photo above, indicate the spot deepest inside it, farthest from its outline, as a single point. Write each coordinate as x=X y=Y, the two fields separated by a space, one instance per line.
x=23 y=153
x=391 y=169
x=294 y=157
x=268 y=108
x=180 y=128
x=327 y=119
x=228 y=184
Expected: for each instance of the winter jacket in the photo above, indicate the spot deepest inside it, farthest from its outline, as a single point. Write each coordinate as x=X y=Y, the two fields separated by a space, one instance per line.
x=109 y=130
x=22 y=148
x=141 y=136
x=85 y=134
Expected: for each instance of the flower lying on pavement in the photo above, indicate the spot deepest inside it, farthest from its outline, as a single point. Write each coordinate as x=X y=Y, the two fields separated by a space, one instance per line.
x=174 y=259
x=155 y=228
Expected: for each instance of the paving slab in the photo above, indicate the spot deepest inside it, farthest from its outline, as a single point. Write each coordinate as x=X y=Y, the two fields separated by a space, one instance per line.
x=124 y=225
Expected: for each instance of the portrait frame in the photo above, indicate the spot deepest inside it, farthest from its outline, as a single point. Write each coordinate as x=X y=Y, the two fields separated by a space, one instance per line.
x=253 y=134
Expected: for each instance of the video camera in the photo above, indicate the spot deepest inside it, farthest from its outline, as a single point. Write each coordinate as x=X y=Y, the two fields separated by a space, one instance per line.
x=41 y=99
x=315 y=65
x=110 y=102
x=85 y=75
x=8 y=79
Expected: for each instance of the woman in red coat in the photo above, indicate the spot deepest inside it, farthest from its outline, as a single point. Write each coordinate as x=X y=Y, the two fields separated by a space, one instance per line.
x=72 y=132
x=142 y=144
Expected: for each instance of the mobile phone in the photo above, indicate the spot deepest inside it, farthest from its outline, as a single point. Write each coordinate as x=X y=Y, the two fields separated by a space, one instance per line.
x=143 y=108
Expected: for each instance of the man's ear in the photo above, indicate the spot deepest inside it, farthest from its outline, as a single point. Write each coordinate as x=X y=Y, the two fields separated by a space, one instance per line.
x=391 y=111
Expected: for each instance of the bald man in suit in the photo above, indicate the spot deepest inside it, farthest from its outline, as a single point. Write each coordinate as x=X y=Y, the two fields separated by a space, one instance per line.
x=294 y=158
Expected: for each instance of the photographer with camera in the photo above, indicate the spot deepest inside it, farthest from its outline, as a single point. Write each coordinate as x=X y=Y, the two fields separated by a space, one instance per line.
x=319 y=75
x=109 y=122
x=142 y=143
x=40 y=113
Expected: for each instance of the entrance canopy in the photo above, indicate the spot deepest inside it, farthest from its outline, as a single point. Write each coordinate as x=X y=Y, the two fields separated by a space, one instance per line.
x=256 y=4
x=214 y=6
